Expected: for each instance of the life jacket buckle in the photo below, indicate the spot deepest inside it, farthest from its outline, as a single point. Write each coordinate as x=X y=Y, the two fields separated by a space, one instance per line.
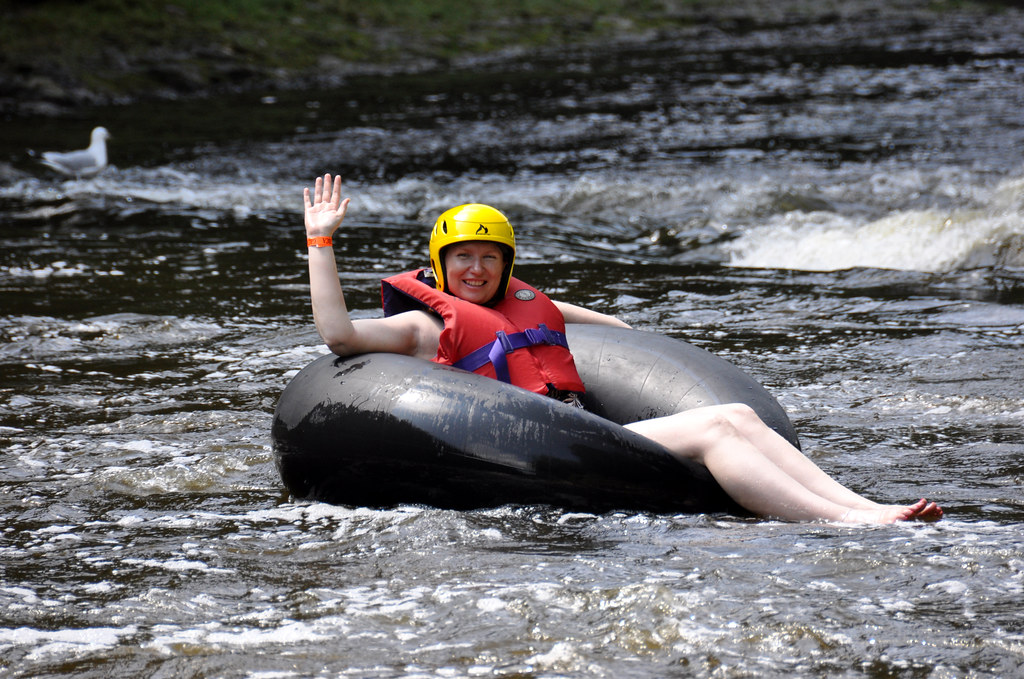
x=506 y=343
x=540 y=335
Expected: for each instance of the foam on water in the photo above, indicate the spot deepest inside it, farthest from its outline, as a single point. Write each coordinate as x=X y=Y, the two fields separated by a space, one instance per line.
x=935 y=219
x=987 y=235
x=63 y=643
x=354 y=579
x=646 y=619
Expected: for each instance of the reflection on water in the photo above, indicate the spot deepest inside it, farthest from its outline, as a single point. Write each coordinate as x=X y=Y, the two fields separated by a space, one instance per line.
x=842 y=219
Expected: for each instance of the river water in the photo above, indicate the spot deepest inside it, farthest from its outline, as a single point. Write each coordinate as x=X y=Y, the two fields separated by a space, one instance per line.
x=837 y=207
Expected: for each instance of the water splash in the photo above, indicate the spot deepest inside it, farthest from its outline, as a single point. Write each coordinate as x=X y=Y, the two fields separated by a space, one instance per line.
x=990 y=235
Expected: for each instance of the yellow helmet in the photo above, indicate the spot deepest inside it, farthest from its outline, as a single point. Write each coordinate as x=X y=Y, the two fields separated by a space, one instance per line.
x=471 y=222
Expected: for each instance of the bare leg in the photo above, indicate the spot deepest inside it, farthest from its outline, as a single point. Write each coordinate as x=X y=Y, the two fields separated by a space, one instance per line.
x=796 y=464
x=789 y=459
x=755 y=480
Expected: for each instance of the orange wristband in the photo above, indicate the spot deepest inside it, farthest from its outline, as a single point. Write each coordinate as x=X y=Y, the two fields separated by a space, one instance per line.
x=319 y=242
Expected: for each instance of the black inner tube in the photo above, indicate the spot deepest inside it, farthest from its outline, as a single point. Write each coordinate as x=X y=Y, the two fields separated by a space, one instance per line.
x=381 y=429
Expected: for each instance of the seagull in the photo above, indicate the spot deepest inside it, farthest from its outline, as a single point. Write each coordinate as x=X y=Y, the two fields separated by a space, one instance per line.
x=84 y=163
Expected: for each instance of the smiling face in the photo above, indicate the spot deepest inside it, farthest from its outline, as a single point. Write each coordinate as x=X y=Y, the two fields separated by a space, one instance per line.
x=473 y=270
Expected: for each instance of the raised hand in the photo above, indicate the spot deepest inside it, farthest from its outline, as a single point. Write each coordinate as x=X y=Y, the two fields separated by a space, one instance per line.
x=325 y=209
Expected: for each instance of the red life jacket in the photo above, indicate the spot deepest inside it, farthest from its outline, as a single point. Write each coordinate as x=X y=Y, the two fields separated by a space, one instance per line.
x=520 y=340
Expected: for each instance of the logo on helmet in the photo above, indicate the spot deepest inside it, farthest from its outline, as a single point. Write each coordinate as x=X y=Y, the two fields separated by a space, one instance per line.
x=482 y=231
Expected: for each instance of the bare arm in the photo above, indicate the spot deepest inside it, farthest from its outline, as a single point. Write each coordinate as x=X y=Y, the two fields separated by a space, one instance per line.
x=414 y=333
x=578 y=314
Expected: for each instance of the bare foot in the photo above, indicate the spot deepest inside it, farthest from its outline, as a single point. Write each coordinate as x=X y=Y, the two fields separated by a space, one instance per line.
x=888 y=513
x=930 y=512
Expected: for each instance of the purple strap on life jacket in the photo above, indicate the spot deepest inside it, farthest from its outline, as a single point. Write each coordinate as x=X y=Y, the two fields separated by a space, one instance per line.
x=495 y=352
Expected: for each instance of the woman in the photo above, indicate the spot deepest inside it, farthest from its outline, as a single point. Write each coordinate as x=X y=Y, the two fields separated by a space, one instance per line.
x=472 y=289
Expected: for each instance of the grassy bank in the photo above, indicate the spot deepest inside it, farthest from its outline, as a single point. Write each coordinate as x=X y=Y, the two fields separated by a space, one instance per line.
x=120 y=49
x=57 y=53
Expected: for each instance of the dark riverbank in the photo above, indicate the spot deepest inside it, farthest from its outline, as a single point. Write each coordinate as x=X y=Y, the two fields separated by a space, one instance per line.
x=59 y=56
